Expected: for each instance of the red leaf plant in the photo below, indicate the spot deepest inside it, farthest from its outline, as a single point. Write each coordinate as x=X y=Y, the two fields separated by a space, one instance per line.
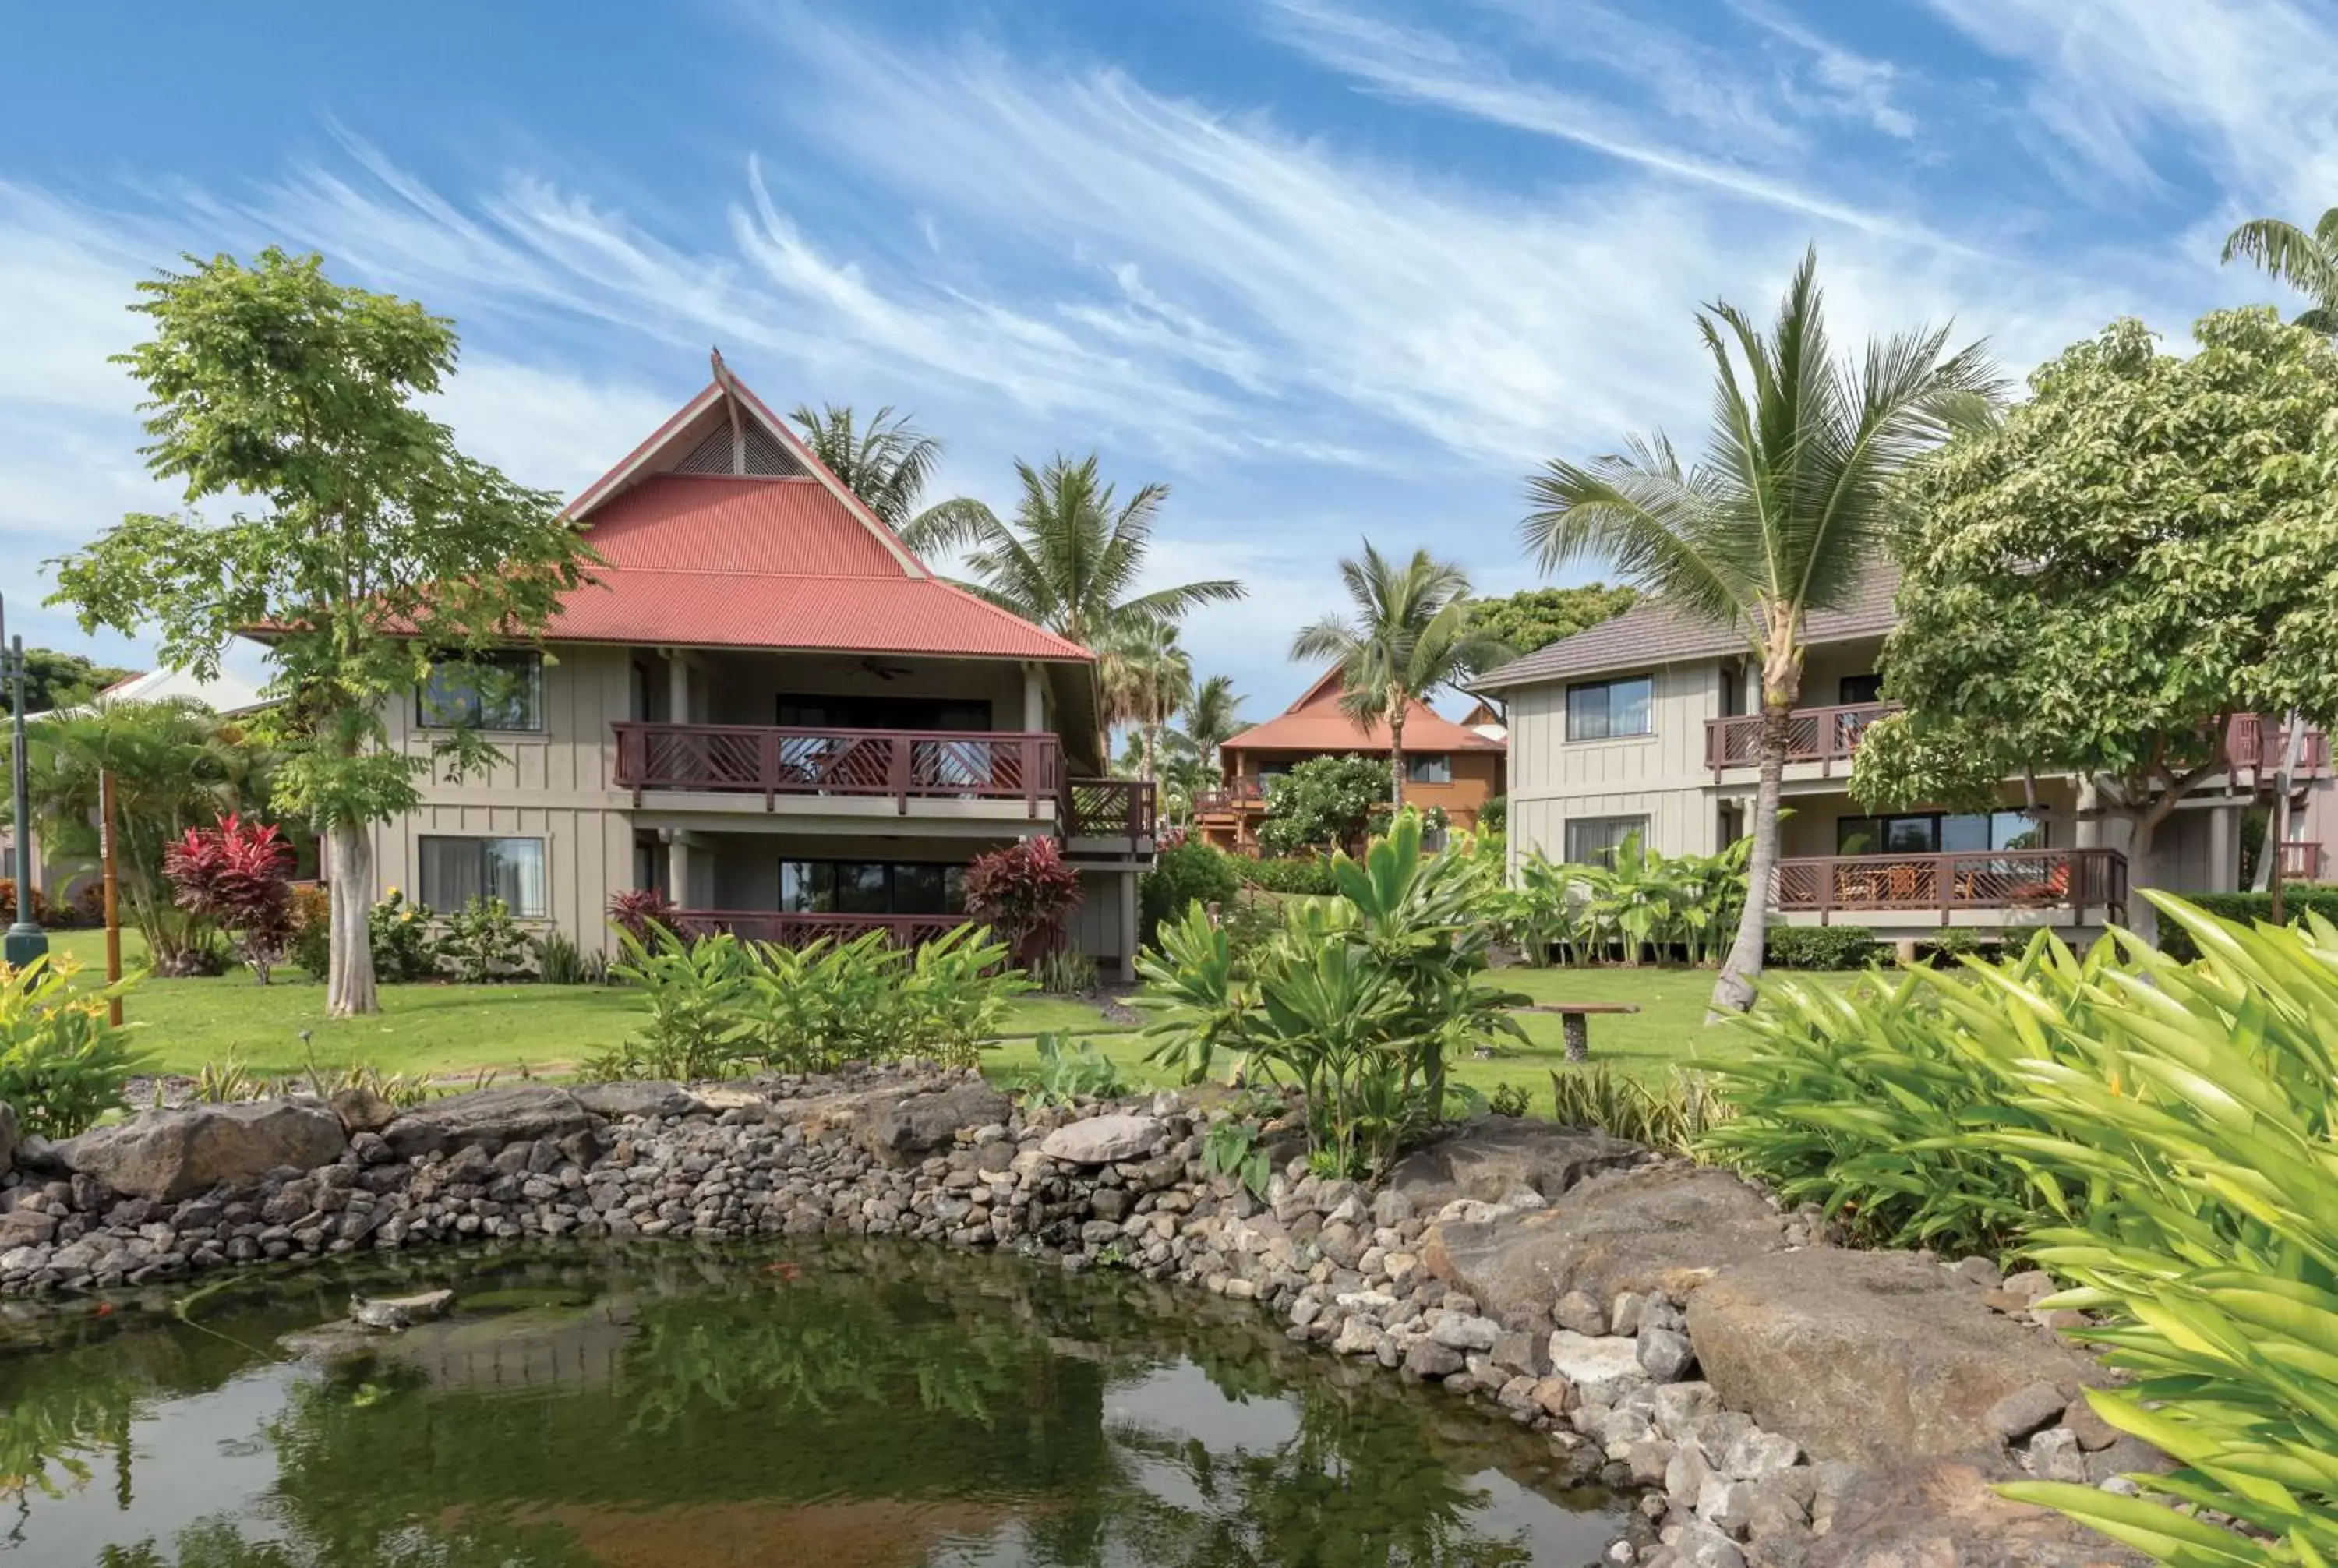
x=237 y=875
x=1026 y=892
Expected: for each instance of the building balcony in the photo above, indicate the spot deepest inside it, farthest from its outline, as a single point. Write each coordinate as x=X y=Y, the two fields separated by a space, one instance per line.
x=1231 y=799
x=1828 y=736
x=1983 y=886
x=1011 y=773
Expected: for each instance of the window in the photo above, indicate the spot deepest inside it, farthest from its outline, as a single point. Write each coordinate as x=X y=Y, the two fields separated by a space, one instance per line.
x=871 y=887
x=1594 y=840
x=493 y=692
x=1428 y=768
x=1856 y=690
x=1934 y=832
x=1602 y=709
x=457 y=870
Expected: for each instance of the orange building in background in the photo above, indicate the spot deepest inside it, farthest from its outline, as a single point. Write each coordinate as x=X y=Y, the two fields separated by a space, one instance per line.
x=1446 y=764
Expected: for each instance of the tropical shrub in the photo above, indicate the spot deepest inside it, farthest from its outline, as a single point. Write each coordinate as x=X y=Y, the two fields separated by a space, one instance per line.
x=405 y=948
x=1069 y=1073
x=559 y=961
x=1645 y=905
x=1821 y=948
x=1359 y=1000
x=1324 y=803
x=483 y=942
x=1508 y=1099
x=956 y=996
x=1673 y=1115
x=2200 y=1109
x=1024 y=892
x=1232 y=1149
x=696 y=994
x=814 y=1007
x=237 y=875
x=312 y=930
x=1192 y=873
x=1494 y=815
x=1066 y=973
x=2297 y=901
x=1309 y=875
x=636 y=910
x=62 y=1063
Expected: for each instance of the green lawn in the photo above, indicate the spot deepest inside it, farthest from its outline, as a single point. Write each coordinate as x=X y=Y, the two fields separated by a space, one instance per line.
x=437 y=1029
x=459 y=1029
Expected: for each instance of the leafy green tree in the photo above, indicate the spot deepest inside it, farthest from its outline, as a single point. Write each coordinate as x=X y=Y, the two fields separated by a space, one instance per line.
x=1071 y=558
x=175 y=766
x=1410 y=635
x=2308 y=262
x=1323 y=803
x=371 y=548
x=887 y=462
x=2146 y=547
x=1537 y=617
x=57 y=679
x=1782 y=517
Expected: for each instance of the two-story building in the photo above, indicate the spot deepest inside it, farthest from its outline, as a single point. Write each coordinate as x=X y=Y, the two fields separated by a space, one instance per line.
x=770 y=709
x=1447 y=765
x=1650 y=723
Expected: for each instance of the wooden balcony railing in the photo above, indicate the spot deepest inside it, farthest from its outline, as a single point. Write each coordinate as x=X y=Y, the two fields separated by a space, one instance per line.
x=1235 y=795
x=798 y=930
x=2256 y=741
x=905 y=764
x=1812 y=735
x=2084 y=882
x=1109 y=808
x=2300 y=860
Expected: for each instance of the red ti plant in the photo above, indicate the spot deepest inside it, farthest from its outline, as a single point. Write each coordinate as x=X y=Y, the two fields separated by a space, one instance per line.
x=237 y=875
x=1026 y=894
x=636 y=910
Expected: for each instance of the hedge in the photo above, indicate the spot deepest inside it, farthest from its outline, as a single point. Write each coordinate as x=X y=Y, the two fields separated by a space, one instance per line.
x=1291 y=874
x=1818 y=947
x=1192 y=872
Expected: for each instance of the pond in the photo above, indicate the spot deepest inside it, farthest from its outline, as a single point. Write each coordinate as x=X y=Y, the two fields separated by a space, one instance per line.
x=845 y=1405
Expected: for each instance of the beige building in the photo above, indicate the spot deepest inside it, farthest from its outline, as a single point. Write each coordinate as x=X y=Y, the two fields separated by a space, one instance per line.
x=770 y=709
x=1650 y=723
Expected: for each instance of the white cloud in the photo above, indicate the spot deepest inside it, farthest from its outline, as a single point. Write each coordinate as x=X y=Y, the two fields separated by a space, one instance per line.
x=1853 y=83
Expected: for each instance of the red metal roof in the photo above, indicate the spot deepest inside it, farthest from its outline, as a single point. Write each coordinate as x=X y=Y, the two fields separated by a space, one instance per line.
x=1315 y=723
x=752 y=563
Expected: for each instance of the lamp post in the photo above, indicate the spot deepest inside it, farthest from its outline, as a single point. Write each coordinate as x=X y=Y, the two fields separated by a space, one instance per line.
x=26 y=940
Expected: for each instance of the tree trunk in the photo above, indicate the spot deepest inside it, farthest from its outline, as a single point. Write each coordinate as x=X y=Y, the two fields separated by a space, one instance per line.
x=2143 y=871
x=1146 y=741
x=1733 y=992
x=349 y=872
x=1396 y=755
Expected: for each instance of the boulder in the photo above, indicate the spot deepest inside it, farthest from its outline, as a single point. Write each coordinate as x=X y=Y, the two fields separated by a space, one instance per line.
x=1857 y=1355
x=1490 y=1160
x=647 y=1097
x=175 y=1155
x=1103 y=1140
x=896 y=1126
x=487 y=1118
x=1944 y=1512
x=7 y=1137
x=1653 y=1231
x=361 y=1110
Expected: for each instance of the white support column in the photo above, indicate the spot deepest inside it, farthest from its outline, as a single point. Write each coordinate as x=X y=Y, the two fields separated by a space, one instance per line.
x=2225 y=849
x=2088 y=832
x=1128 y=931
x=1035 y=696
x=677 y=868
x=677 y=702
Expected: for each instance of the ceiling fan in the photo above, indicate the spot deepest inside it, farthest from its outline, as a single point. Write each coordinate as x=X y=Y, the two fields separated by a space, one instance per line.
x=882 y=670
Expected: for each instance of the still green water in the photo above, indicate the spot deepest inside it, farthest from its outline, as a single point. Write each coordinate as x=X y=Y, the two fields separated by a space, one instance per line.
x=843 y=1405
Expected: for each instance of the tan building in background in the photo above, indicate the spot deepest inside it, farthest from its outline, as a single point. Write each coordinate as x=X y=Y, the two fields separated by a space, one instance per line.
x=1447 y=765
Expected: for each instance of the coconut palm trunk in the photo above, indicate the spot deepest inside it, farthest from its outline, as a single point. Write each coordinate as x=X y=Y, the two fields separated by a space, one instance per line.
x=1782 y=687
x=1395 y=748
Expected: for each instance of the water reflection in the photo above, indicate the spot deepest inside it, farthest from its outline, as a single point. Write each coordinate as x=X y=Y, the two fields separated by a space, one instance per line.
x=852 y=1407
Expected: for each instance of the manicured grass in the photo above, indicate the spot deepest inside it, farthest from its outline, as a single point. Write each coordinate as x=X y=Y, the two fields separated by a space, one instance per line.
x=1669 y=1031
x=437 y=1029
x=447 y=1030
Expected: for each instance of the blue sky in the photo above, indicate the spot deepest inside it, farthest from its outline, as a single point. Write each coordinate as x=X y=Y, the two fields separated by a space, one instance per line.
x=1333 y=269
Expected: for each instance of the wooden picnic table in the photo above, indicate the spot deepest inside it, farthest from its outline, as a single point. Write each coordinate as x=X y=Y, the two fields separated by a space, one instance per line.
x=1575 y=1022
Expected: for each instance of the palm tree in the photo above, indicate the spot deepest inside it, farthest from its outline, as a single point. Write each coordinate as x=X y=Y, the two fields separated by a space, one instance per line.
x=1412 y=633
x=1213 y=716
x=887 y=463
x=2308 y=262
x=1146 y=677
x=1072 y=557
x=1782 y=517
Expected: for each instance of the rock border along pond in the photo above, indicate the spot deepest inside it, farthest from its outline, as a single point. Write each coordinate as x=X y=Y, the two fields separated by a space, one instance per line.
x=1773 y=1398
